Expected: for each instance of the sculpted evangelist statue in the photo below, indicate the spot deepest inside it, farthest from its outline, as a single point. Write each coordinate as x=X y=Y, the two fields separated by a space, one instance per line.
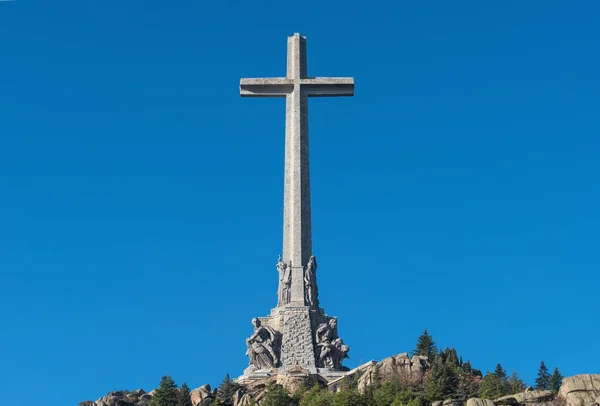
x=285 y=282
x=263 y=346
x=310 y=282
x=331 y=349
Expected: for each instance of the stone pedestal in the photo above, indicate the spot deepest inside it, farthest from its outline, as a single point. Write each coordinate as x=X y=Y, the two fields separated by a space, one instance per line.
x=298 y=326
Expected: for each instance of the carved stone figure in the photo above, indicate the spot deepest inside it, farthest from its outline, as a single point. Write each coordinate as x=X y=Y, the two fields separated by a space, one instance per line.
x=331 y=349
x=342 y=352
x=263 y=346
x=285 y=282
x=310 y=282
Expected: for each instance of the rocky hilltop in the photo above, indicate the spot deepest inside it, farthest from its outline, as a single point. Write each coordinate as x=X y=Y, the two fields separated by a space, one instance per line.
x=402 y=370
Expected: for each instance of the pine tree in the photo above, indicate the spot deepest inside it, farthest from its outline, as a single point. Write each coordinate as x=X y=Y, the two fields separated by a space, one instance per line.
x=276 y=395
x=384 y=396
x=543 y=379
x=227 y=390
x=556 y=380
x=495 y=384
x=516 y=384
x=184 y=398
x=348 y=398
x=317 y=396
x=500 y=372
x=450 y=357
x=166 y=394
x=442 y=381
x=425 y=346
x=468 y=385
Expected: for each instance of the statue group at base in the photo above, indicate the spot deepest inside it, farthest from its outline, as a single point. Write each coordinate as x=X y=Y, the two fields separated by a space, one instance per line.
x=263 y=346
x=331 y=349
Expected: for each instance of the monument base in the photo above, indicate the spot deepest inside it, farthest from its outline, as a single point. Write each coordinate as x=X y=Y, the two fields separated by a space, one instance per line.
x=299 y=331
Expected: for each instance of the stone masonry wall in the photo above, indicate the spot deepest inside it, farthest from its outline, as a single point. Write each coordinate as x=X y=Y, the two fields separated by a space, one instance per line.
x=297 y=348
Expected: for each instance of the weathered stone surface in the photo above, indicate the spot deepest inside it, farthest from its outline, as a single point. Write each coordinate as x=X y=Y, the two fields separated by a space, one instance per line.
x=122 y=398
x=297 y=345
x=296 y=379
x=255 y=390
x=581 y=390
x=110 y=399
x=438 y=403
x=237 y=396
x=407 y=370
x=246 y=400
x=553 y=402
x=145 y=399
x=198 y=395
x=534 y=396
x=480 y=402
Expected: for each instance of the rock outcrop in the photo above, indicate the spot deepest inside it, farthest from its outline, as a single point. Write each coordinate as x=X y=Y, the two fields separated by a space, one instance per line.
x=121 y=398
x=453 y=402
x=202 y=396
x=581 y=390
x=534 y=396
x=407 y=370
x=480 y=402
x=294 y=380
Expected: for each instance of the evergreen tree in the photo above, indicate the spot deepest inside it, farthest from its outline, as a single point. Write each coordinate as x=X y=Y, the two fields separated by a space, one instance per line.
x=495 y=384
x=317 y=396
x=442 y=381
x=385 y=395
x=276 y=395
x=500 y=372
x=184 y=398
x=406 y=397
x=469 y=385
x=543 y=379
x=516 y=384
x=556 y=380
x=348 y=398
x=452 y=357
x=414 y=402
x=166 y=394
x=226 y=390
x=425 y=346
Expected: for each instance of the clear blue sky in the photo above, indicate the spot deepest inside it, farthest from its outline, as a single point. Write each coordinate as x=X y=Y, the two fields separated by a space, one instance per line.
x=141 y=197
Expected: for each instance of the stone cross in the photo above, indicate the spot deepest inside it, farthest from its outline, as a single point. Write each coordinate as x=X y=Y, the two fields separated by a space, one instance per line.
x=297 y=87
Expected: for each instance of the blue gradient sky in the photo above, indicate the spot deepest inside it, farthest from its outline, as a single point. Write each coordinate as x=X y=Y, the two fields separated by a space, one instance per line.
x=141 y=197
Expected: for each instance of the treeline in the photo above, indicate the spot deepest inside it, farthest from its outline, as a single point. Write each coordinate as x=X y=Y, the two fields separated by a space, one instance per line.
x=451 y=378
x=448 y=377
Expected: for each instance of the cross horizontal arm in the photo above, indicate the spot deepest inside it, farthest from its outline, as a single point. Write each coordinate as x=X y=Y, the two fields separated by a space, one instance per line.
x=266 y=87
x=323 y=87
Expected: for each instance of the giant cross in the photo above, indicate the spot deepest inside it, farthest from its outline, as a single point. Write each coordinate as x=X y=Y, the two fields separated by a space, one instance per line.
x=297 y=87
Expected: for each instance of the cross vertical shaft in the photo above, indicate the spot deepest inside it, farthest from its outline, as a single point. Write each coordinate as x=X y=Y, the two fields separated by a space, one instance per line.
x=297 y=234
x=296 y=87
